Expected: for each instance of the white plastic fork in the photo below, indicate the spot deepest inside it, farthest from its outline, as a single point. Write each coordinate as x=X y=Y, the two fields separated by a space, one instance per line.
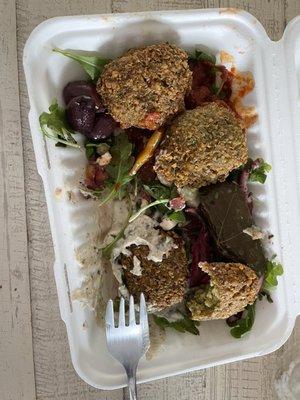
x=128 y=343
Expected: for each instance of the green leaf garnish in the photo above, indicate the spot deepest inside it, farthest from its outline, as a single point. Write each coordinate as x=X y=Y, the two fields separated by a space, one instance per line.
x=54 y=126
x=159 y=191
x=259 y=173
x=93 y=65
x=265 y=294
x=177 y=216
x=118 y=171
x=273 y=270
x=199 y=55
x=245 y=324
x=182 y=325
x=143 y=209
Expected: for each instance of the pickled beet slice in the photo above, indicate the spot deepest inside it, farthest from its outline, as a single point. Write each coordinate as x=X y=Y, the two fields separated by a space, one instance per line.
x=81 y=114
x=82 y=88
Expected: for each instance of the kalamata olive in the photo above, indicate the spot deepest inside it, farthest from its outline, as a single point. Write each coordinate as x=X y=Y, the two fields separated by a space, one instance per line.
x=82 y=88
x=81 y=114
x=104 y=127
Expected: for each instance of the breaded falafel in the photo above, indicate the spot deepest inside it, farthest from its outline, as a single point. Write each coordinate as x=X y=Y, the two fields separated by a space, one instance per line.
x=232 y=287
x=146 y=86
x=164 y=283
x=201 y=147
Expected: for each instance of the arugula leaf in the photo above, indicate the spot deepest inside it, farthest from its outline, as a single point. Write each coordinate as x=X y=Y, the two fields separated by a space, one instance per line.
x=93 y=65
x=199 y=55
x=54 y=126
x=265 y=294
x=89 y=151
x=159 y=191
x=107 y=250
x=245 y=324
x=273 y=270
x=143 y=209
x=259 y=173
x=118 y=171
x=182 y=325
x=177 y=216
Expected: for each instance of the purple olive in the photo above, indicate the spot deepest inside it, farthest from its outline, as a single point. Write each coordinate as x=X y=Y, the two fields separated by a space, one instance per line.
x=81 y=114
x=103 y=128
x=82 y=88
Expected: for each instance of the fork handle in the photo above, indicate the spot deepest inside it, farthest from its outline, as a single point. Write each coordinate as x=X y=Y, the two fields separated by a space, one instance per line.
x=131 y=377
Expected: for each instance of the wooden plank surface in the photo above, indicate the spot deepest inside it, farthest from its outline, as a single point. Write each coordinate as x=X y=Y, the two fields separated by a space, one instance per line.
x=16 y=355
x=54 y=375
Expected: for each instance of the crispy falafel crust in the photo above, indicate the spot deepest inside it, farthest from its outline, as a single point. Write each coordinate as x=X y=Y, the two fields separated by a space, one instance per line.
x=235 y=285
x=202 y=146
x=163 y=284
x=145 y=86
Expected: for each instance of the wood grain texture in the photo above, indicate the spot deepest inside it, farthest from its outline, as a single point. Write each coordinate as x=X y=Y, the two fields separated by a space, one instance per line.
x=54 y=374
x=16 y=353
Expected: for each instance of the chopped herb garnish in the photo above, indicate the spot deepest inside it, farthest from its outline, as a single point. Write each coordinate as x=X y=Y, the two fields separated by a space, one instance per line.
x=199 y=55
x=182 y=325
x=259 y=171
x=273 y=270
x=92 y=64
x=244 y=324
x=54 y=126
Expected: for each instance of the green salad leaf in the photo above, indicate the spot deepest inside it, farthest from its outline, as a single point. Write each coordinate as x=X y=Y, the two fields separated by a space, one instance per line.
x=245 y=324
x=118 y=171
x=143 y=209
x=199 y=55
x=265 y=294
x=273 y=270
x=181 y=325
x=259 y=173
x=177 y=216
x=92 y=64
x=159 y=191
x=54 y=126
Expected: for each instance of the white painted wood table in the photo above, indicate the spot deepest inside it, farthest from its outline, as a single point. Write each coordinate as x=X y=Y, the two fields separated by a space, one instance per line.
x=34 y=355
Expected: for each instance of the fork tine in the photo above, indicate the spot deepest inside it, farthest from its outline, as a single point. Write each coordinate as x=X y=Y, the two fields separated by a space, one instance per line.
x=122 y=312
x=109 y=317
x=143 y=312
x=131 y=311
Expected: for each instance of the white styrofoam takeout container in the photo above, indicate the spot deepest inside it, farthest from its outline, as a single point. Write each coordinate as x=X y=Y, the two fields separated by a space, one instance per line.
x=276 y=137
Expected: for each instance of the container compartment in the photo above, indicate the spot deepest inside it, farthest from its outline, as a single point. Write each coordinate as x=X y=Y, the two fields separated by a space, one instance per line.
x=274 y=137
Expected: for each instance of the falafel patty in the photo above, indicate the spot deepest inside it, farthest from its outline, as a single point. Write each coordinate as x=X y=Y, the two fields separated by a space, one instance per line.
x=145 y=86
x=232 y=287
x=164 y=283
x=201 y=147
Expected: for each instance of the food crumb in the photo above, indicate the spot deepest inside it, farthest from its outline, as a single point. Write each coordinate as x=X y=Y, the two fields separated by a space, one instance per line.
x=255 y=232
x=85 y=326
x=58 y=193
x=71 y=196
x=226 y=58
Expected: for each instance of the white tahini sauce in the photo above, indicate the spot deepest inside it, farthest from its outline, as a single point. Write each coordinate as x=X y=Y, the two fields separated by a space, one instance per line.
x=142 y=232
x=137 y=269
